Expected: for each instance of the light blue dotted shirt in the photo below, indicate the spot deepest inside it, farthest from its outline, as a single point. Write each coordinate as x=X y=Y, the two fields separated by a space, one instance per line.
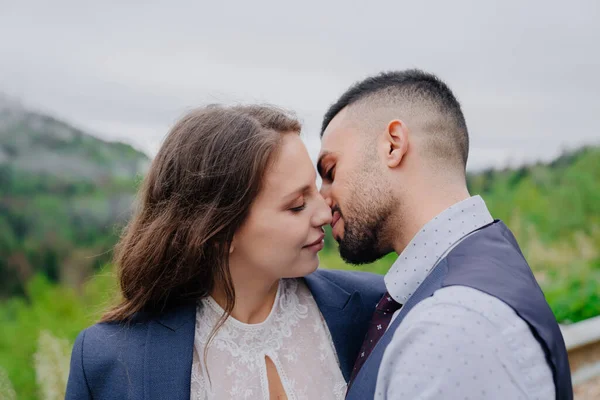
x=460 y=343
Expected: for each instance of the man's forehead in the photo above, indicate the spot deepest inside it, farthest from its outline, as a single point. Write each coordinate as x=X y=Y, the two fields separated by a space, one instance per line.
x=337 y=132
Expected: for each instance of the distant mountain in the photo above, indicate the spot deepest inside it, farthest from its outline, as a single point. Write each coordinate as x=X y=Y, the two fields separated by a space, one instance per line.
x=63 y=196
x=41 y=144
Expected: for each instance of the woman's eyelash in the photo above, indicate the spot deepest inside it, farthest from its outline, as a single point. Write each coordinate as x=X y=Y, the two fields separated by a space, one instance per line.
x=299 y=208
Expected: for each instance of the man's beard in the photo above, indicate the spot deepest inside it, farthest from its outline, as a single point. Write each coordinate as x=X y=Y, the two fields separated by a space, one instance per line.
x=362 y=242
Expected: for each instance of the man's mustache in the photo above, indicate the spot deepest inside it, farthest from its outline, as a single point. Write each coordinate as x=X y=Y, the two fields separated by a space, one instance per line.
x=337 y=208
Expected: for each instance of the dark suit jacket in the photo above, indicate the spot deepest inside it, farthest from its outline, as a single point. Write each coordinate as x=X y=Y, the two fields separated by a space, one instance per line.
x=152 y=358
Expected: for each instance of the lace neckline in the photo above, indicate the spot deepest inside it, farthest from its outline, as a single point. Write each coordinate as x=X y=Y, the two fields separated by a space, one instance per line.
x=294 y=336
x=211 y=302
x=234 y=335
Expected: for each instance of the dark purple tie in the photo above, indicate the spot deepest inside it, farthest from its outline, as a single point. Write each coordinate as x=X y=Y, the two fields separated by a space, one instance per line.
x=379 y=323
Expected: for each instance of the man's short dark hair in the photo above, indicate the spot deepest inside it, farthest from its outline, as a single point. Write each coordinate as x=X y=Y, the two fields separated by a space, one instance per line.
x=410 y=86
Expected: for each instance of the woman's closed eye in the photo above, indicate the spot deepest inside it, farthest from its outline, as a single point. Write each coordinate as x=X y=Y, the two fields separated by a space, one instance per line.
x=298 y=208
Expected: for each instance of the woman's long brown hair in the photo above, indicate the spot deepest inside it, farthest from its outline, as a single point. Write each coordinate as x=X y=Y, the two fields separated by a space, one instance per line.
x=197 y=193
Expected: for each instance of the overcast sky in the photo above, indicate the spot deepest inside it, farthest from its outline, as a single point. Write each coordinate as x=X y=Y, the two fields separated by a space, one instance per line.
x=526 y=73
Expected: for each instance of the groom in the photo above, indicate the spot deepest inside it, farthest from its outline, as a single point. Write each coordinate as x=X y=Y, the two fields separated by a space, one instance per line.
x=463 y=317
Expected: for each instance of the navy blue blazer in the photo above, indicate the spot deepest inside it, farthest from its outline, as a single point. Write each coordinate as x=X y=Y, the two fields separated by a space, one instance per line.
x=152 y=359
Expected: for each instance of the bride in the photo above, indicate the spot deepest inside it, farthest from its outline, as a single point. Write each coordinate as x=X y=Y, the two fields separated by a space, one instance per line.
x=221 y=297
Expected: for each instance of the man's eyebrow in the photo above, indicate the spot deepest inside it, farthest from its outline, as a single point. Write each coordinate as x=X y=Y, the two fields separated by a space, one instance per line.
x=320 y=162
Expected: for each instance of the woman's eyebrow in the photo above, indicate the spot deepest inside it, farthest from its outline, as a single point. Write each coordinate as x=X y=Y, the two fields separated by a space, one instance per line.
x=297 y=192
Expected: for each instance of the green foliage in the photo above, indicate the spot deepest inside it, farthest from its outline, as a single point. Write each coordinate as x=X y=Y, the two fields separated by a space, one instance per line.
x=47 y=225
x=577 y=296
x=55 y=309
x=557 y=199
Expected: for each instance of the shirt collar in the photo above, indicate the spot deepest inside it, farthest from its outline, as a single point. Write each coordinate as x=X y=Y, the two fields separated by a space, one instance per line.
x=431 y=243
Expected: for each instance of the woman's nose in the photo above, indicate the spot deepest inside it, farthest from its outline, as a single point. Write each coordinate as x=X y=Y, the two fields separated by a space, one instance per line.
x=323 y=213
x=325 y=187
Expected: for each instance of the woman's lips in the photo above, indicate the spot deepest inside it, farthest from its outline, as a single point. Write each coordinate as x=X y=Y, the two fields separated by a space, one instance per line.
x=319 y=240
x=317 y=245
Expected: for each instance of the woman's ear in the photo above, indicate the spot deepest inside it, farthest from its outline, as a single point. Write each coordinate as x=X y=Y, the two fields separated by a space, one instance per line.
x=396 y=139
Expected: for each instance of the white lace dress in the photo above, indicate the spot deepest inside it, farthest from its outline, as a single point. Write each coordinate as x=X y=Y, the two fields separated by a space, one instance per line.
x=294 y=336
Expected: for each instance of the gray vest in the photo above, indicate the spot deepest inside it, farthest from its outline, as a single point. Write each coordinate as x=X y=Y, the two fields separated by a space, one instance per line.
x=489 y=261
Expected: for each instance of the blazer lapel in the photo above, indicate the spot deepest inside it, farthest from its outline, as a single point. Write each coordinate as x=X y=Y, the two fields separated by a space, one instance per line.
x=168 y=354
x=346 y=317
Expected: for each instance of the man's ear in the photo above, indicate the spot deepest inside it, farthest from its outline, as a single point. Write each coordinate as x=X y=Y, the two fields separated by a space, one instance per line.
x=396 y=142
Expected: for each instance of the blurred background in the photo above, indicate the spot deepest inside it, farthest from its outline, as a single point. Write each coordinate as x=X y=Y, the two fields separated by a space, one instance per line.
x=88 y=90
